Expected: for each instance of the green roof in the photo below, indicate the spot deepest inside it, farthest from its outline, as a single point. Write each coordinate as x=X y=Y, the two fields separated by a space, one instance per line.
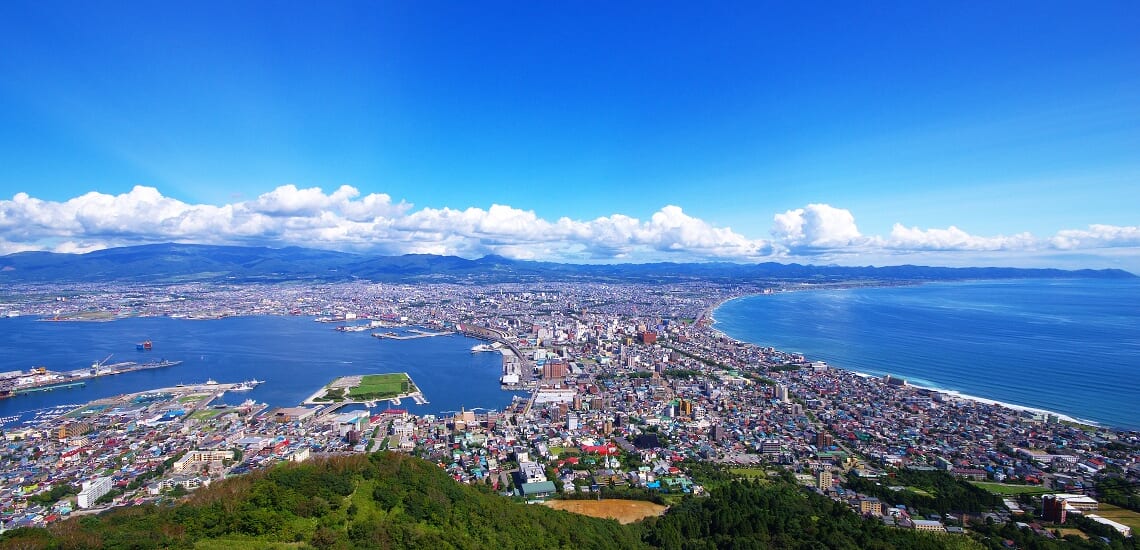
x=541 y=487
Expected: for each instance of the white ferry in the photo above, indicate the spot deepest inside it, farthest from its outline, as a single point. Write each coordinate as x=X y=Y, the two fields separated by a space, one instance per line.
x=247 y=385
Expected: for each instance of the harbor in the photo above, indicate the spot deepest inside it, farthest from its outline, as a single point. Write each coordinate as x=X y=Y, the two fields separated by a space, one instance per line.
x=39 y=379
x=279 y=349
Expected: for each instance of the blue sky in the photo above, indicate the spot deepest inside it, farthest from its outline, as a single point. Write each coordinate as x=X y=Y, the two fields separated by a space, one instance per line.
x=862 y=133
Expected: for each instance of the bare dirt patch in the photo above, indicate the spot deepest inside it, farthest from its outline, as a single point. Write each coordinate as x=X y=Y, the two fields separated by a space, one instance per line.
x=625 y=511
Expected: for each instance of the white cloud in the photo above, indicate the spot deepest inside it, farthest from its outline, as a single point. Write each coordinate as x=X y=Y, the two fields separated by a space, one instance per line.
x=1097 y=236
x=816 y=226
x=345 y=220
x=952 y=238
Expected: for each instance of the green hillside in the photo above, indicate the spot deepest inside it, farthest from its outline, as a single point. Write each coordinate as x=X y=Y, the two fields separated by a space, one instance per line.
x=384 y=500
x=387 y=500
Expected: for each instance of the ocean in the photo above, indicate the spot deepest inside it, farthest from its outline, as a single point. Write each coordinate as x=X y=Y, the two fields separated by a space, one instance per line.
x=1066 y=345
x=293 y=355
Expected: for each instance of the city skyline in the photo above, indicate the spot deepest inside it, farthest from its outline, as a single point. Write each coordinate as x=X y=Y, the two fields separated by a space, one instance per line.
x=856 y=135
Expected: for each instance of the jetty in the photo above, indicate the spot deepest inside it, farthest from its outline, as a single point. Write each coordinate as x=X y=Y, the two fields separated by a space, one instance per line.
x=415 y=334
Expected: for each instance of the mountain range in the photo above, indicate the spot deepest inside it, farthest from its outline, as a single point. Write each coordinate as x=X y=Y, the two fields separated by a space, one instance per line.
x=169 y=263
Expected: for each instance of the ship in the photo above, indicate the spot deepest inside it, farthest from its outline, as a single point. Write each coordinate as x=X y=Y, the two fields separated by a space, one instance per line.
x=247 y=385
x=144 y=346
x=485 y=347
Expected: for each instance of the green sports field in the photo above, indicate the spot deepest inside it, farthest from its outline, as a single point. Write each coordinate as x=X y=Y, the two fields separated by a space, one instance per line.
x=382 y=386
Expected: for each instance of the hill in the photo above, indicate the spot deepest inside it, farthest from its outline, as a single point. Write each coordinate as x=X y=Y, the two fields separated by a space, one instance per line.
x=168 y=263
x=382 y=500
x=387 y=500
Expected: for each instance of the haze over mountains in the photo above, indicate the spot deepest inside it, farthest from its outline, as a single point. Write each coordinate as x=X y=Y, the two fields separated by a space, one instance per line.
x=168 y=263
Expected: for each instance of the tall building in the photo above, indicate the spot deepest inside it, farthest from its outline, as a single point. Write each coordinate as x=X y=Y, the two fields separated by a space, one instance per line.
x=824 y=479
x=716 y=433
x=685 y=407
x=554 y=370
x=823 y=440
x=1054 y=508
x=782 y=393
x=92 y=490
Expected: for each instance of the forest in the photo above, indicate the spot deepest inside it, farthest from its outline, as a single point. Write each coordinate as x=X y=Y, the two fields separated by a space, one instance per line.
x=388 y=500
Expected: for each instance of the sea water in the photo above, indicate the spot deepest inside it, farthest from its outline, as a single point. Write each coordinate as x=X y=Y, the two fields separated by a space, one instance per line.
x=293 y=355
x=1070 y=346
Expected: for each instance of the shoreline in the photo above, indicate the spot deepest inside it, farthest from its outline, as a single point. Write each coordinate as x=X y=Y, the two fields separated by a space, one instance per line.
x=712 y=322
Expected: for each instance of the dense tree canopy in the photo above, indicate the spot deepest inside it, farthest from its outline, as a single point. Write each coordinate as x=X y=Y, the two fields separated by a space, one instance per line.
x=387 y=500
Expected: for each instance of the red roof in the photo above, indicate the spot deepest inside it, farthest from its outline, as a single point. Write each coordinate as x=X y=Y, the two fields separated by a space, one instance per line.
x=600 y=449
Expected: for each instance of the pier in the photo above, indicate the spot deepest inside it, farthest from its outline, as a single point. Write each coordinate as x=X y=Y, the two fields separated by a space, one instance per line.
x=520 y=367
x=72 y=379
x=49 y=387
x=417 y=334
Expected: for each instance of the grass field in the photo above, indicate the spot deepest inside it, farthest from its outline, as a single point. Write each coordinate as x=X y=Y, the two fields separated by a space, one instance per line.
x=207 y=414
x=382 y=386
x=625 y=511
x=920 y=491
x=749 y=473
x=1071 y=531
x=1120 y=515
x=1004 y=489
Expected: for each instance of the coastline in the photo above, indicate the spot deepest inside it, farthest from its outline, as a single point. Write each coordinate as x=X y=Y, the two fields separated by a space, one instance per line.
x=957 y=394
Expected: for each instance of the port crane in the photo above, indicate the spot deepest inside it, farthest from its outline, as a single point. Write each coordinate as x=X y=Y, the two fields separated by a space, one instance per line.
x=99 y=364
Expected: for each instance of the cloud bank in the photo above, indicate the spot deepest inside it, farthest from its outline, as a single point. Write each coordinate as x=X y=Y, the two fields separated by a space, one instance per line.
x=374 y=223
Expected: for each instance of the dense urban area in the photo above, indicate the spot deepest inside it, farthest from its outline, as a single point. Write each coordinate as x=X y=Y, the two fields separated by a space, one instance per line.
x=632 y=394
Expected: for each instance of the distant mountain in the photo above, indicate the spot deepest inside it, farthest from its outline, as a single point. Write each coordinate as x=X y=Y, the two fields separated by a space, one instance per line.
x=167 y=263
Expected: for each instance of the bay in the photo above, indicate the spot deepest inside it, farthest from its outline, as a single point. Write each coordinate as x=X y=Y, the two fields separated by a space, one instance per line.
x=1070 y=346
x=293 y=355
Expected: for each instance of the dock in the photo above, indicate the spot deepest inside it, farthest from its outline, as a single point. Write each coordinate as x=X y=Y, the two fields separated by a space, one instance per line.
x=76 y=378
x=417 y=334
x=49 y=387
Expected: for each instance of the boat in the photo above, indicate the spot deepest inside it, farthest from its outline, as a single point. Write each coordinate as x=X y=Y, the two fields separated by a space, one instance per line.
x=144 y=346
x=247 y=385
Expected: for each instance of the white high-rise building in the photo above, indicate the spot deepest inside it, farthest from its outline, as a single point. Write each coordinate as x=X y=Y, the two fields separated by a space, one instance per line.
x=92 y=490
